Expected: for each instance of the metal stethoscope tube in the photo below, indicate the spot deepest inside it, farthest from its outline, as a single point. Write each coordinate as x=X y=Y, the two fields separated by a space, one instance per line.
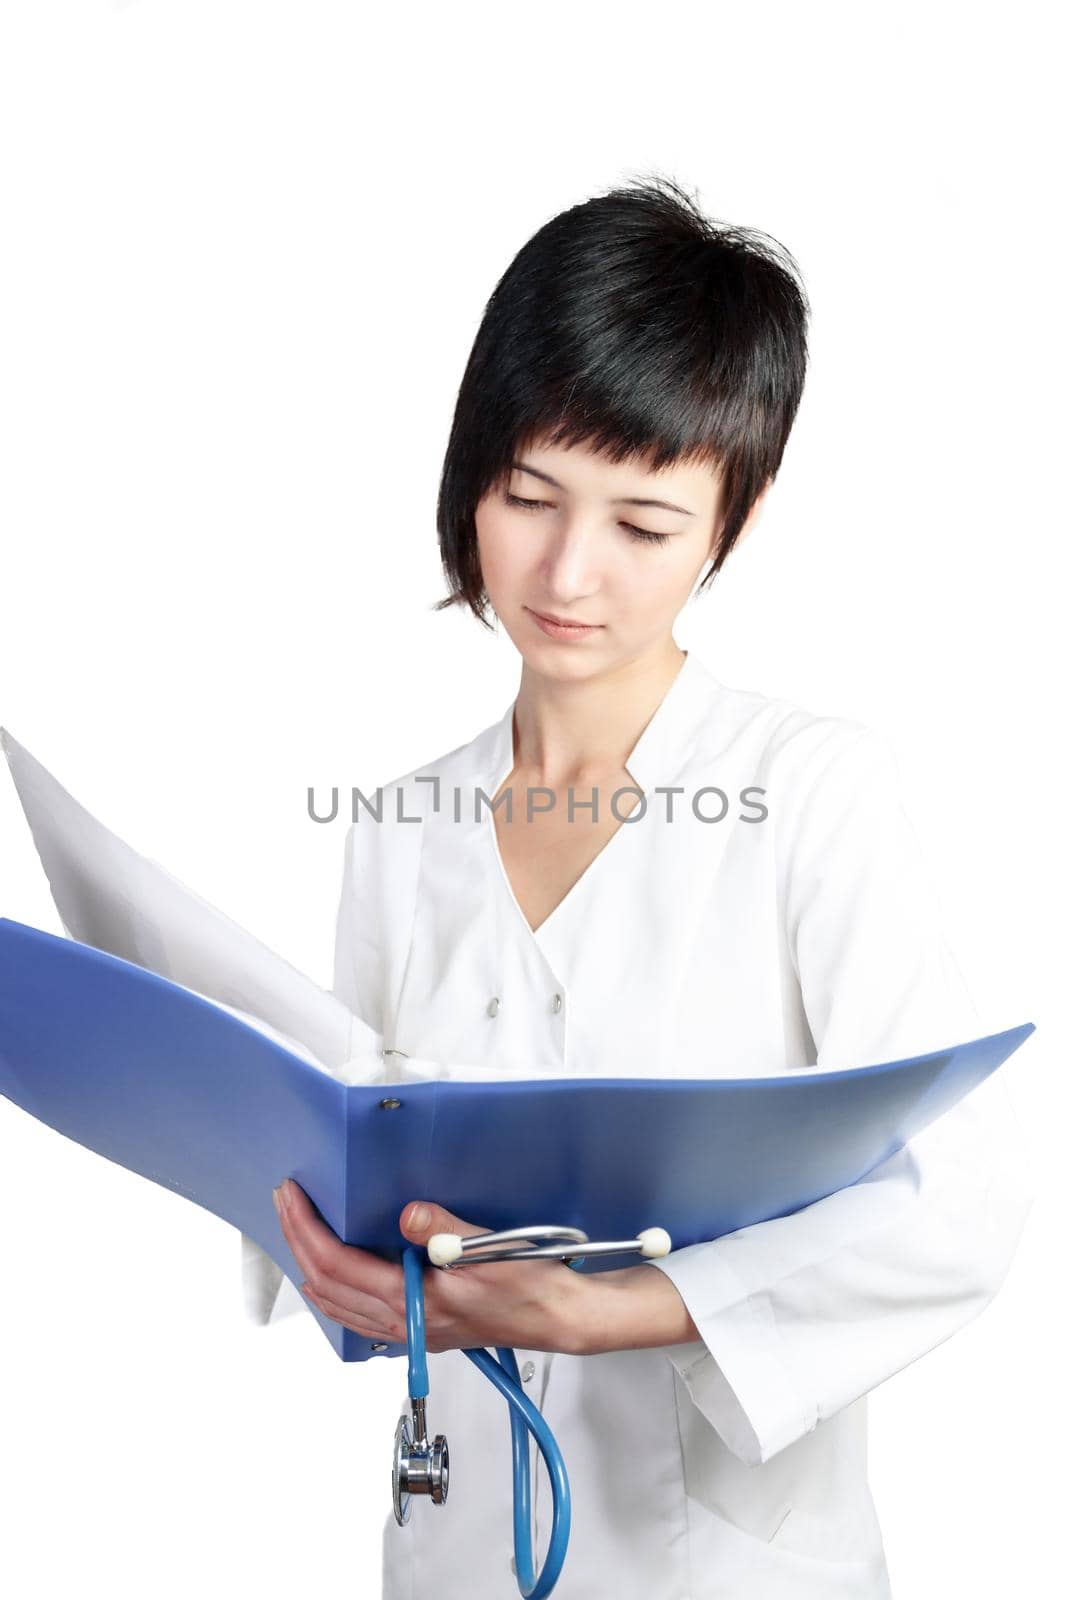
x=420 y=1467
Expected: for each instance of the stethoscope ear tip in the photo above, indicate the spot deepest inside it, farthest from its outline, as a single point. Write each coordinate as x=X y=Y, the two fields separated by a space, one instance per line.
x=444 y=1248
x=655 y=1242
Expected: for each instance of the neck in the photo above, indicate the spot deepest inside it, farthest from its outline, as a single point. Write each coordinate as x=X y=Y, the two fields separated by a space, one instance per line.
x=567 y=732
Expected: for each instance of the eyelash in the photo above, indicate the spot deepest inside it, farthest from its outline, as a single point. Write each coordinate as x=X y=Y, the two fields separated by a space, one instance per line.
x=635 y=533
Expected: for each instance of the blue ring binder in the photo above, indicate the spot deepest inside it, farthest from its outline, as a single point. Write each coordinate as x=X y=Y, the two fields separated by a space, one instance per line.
x=170 y=1085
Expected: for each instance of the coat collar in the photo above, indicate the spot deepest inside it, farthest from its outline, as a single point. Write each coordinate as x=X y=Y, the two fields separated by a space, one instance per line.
x=660 y=751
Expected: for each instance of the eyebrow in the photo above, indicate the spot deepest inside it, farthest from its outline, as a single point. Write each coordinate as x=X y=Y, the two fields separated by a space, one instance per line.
x=622 y=500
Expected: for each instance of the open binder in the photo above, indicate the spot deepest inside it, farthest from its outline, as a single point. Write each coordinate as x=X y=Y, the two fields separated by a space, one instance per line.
x=166 y=1038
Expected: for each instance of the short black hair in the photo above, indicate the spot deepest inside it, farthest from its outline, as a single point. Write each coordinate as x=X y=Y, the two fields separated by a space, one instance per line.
x=637 y=324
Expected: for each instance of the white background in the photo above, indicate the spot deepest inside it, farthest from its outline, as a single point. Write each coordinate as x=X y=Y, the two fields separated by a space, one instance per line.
x=246 y=246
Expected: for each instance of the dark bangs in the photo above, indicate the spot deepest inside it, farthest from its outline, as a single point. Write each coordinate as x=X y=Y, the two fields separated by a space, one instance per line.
x=638 y=327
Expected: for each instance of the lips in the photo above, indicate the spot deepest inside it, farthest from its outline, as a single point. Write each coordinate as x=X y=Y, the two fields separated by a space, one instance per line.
x=562 y=622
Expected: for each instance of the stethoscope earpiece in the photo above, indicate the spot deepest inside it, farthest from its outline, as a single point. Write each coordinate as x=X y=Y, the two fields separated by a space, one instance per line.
x=444 y=1248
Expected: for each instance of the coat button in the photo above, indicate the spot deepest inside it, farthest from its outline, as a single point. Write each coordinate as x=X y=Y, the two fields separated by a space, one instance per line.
x=557 y=1002
x=494 y=1005
x=528 y=1370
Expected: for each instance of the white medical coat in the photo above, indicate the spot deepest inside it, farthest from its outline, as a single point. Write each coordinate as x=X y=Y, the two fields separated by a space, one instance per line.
x=735 y=1465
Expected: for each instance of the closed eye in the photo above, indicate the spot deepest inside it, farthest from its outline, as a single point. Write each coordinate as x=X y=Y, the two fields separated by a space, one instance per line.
x=635 y=533
x=527 y=505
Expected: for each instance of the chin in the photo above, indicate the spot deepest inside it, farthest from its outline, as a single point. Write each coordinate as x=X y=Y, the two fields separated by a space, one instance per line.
x=562 y=665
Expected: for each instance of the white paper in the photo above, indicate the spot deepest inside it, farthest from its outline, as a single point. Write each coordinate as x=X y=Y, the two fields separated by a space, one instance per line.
x=121 y=902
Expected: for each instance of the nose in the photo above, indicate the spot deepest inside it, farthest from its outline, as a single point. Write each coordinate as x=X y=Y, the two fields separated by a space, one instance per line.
x=570 y=568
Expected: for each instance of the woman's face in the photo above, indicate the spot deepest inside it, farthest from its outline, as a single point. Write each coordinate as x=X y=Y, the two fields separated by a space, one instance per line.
x=567 y=534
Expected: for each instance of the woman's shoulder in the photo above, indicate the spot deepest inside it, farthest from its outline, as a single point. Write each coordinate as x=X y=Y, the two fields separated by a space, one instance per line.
x=822 y=774
x=829 y=782
x=776 y=734
x=418 y=791
x=390 y=818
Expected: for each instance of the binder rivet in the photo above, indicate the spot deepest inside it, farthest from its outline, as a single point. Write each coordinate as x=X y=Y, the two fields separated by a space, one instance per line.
x=494 y=1005
x=377 y=1347
x=388 y=1105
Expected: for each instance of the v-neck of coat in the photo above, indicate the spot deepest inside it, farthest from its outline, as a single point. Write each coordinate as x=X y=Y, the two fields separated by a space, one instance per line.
x=653 y=756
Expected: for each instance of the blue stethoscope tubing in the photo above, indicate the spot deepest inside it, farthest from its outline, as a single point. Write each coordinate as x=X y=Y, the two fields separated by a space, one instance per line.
x=525 y=1419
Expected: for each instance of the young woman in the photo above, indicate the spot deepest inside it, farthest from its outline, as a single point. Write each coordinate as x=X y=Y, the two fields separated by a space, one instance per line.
x=691 y=880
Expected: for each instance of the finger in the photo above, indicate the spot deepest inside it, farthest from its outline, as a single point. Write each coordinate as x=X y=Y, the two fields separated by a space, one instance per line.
x=351 y=1304
x=348 y=1299
x=295 y=1237
x=421 y=1218
x=323 y=1257
x=369 y=1329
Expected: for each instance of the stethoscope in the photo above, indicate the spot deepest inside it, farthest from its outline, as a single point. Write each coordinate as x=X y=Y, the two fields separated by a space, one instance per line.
x=420 y=1467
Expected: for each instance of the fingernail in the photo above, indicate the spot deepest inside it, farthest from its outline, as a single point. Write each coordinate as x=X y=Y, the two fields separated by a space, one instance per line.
x=277 y=1201
x=418 y=1217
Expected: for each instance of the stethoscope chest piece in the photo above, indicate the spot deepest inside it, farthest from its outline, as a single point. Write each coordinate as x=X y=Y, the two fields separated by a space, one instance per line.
x=418 y=1466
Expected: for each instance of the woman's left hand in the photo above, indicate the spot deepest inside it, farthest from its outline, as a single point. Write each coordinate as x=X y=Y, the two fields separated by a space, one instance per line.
x=526 y=1305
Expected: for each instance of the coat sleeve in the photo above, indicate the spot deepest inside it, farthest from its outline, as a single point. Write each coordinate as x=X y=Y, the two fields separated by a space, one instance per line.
x=358 y=963
x=801 y=1315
